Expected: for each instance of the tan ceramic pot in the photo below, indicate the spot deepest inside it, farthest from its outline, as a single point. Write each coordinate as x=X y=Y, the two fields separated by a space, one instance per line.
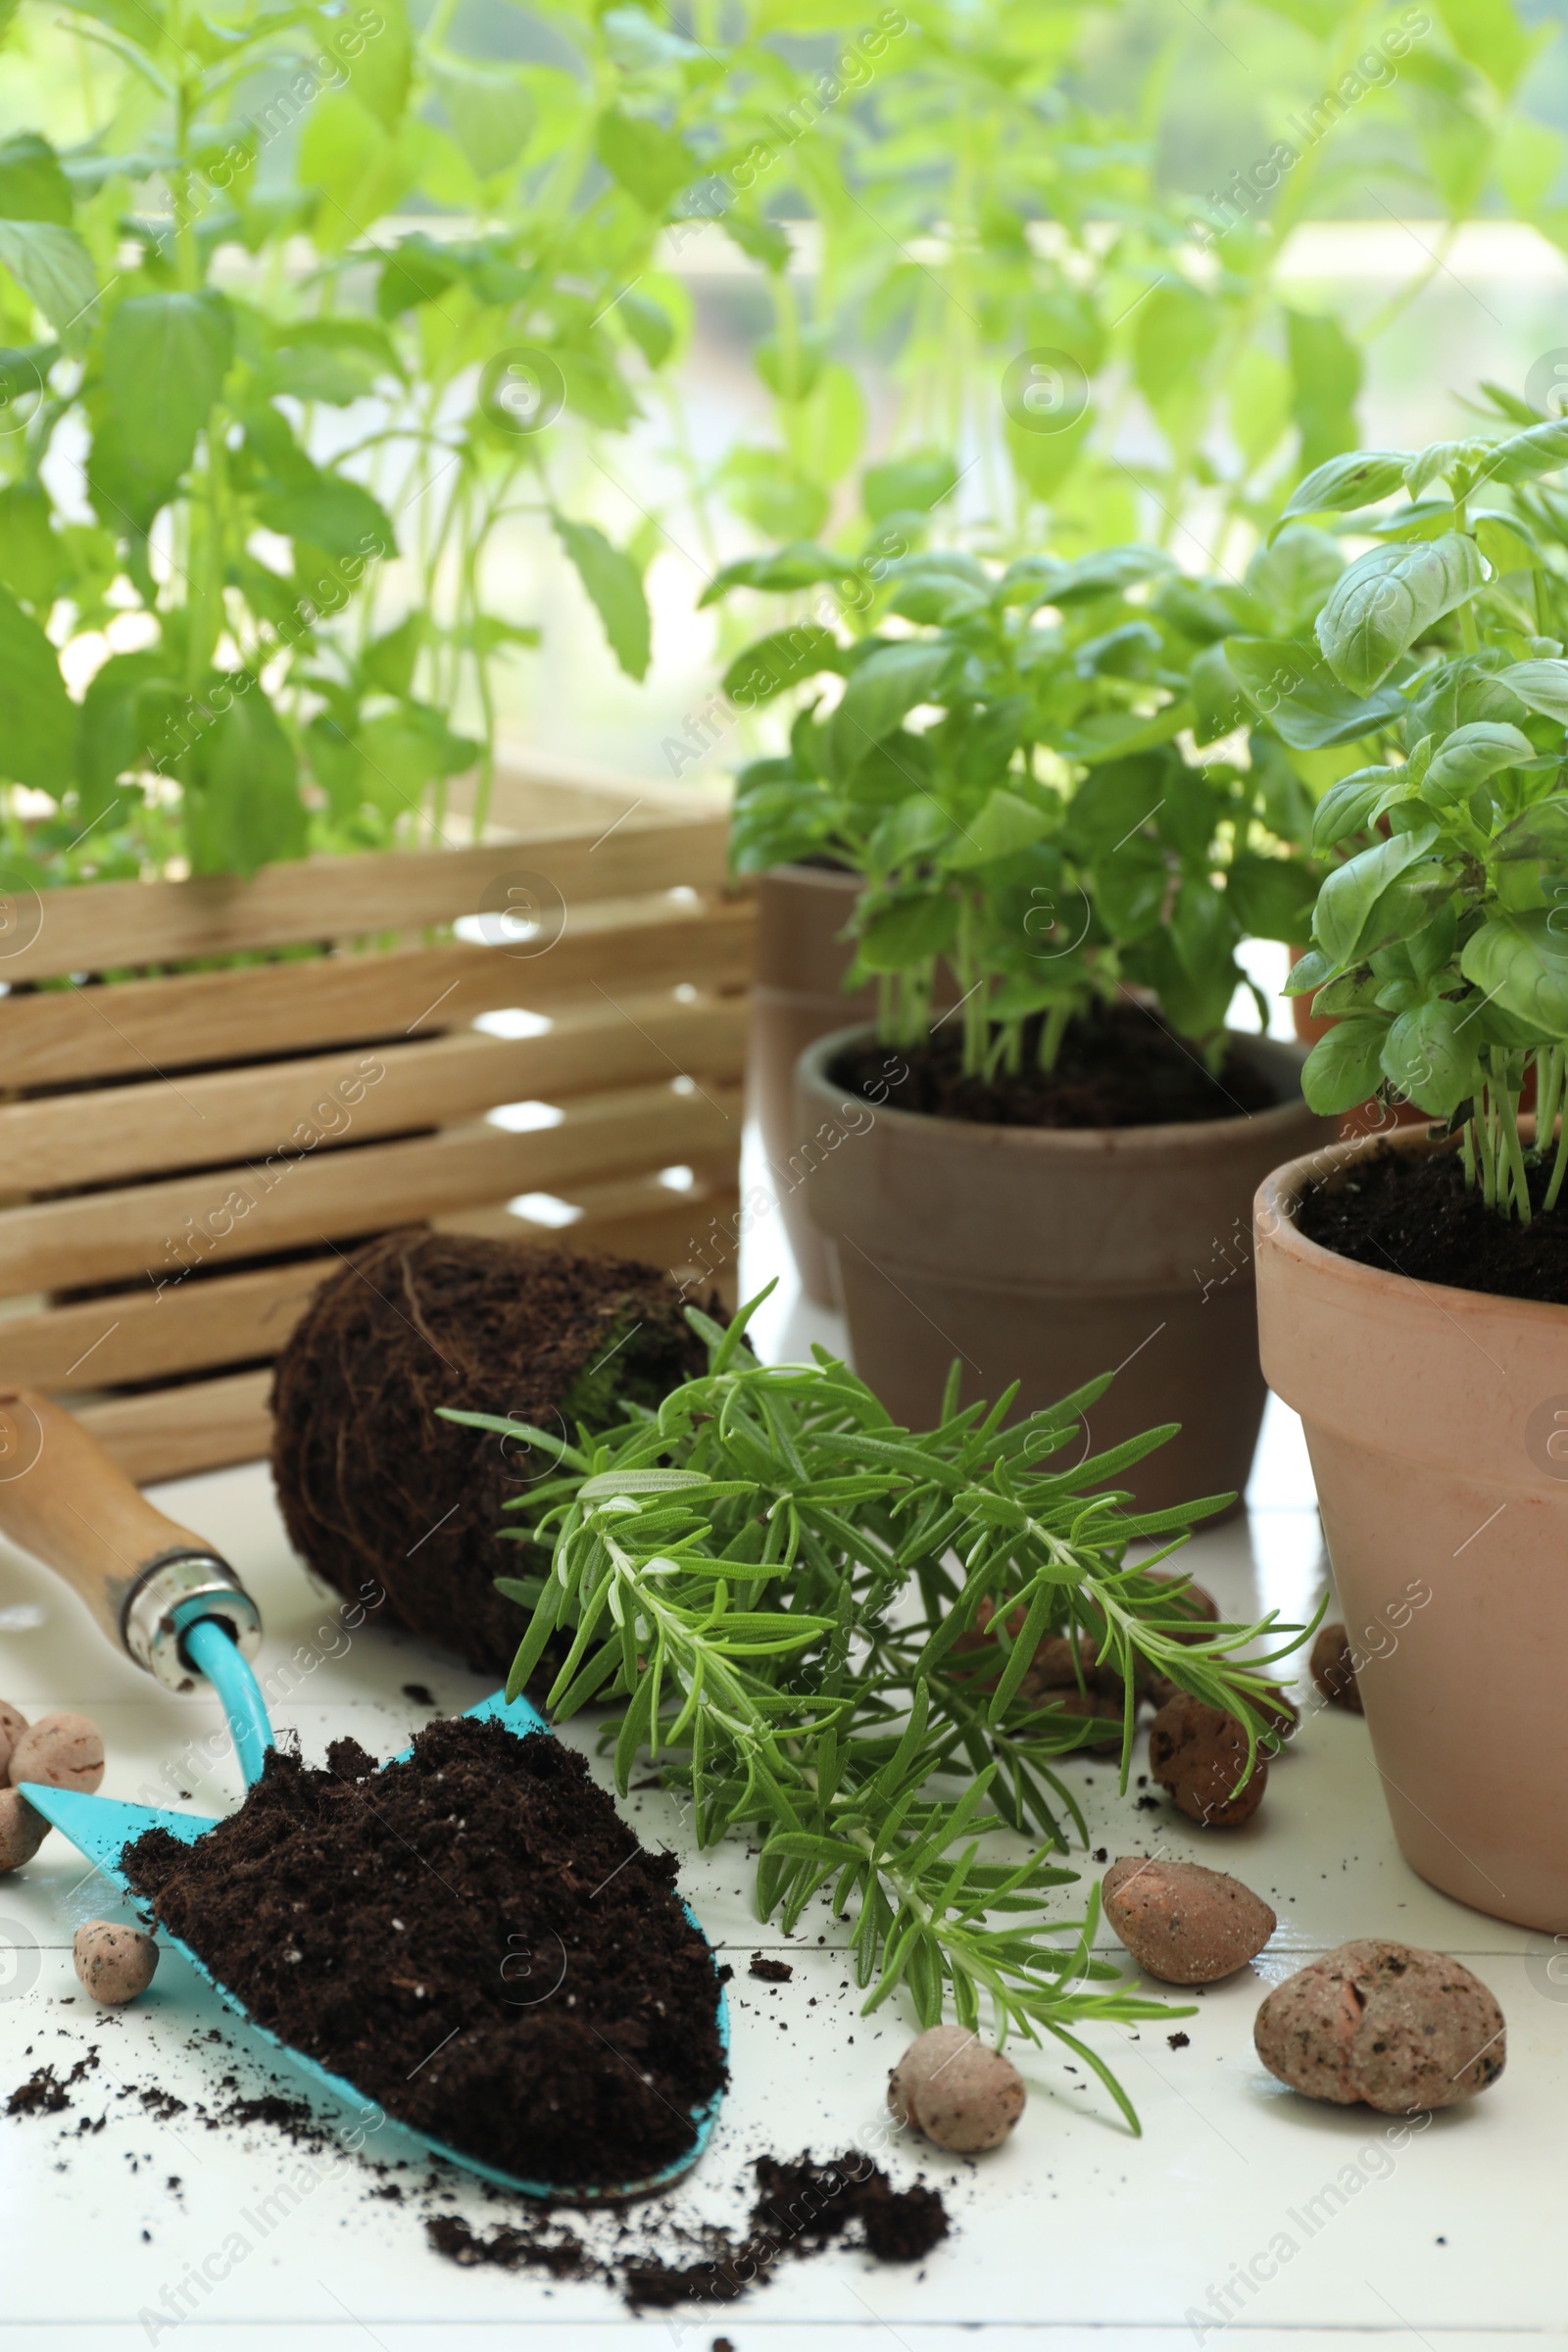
x=797 y=996
x=1048 y=1256
x=1438 y=1425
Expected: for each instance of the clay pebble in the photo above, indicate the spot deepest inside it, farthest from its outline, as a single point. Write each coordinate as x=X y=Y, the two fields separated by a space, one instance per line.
x=1199 y=1753
x=115 y=1963
x=1181 y=1923
x=21 y=1829
x=957 y=2090
x=1063 y=1674
x=12 y=1723
x=1194 y=1604
x=1399 y=2029
x=1334 y=1669
x=62 y=1752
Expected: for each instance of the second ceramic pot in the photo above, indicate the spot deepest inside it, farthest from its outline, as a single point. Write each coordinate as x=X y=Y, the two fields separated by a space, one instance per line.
x=797 y=996
x=1048 y=1255
x=1437 y=1420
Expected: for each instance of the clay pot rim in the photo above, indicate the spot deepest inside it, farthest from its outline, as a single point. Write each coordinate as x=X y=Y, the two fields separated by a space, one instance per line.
x=1274 y=1226
x=1174 y=1135
x=797 y=871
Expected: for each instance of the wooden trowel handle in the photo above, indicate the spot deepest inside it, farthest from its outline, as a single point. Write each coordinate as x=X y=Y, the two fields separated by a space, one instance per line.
x=66 y=1502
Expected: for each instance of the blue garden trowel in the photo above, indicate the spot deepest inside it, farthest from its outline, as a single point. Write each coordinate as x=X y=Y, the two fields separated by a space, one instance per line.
x=173 y=1605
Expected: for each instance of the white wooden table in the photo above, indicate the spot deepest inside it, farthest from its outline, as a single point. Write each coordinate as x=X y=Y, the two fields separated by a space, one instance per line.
x=1241 y=2207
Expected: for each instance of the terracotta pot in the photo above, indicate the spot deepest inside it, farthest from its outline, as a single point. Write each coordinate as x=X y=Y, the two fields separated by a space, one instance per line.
x=795 y=997
x=1047 y=1255
x=1437 y=1421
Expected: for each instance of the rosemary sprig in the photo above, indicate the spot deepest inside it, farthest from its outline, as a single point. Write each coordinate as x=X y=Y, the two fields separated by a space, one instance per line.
x=771 y=1583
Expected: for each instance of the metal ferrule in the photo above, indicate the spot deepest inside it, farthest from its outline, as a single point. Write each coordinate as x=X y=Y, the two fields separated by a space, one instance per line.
x=167 y=1597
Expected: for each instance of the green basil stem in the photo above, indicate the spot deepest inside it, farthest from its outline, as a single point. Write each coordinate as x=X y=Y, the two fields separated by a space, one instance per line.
x=1052 y=1030
x=1560 y=1164
x=1507 y=1114
x=1548 y=1088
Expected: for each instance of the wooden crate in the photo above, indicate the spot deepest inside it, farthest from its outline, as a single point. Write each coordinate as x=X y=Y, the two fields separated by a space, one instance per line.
x=185 y=1154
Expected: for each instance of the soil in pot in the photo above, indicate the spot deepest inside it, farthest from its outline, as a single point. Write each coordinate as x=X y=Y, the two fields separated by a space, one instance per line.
x=1118 y=1066
x=390 y=1503
x=1410 y=1212
x=472 y=1937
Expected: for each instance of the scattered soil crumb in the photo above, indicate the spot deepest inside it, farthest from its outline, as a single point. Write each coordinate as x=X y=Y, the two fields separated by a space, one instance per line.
x=771 y=1972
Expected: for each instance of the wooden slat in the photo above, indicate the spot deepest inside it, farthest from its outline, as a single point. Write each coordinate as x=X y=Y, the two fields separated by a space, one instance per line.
x=62 y=1141
x=245 y=1211
x=112 y=925
x=148 y=1027
x=139 y=1335
x=175 y=1432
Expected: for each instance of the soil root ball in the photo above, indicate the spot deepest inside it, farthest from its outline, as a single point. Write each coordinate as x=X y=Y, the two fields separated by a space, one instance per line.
x=61 y=1751
x=957 y=2090
x=1181 y=1923
x=1401 y=2028
x=115 y=1963
x=391 y=1504
x=1199 y=1753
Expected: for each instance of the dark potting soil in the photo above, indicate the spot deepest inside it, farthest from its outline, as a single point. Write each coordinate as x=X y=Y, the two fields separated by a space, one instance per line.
x=390 y=1503
x=1118 y=1066
x=1410 y=1213
x=472 y=1937
x=801 y=2208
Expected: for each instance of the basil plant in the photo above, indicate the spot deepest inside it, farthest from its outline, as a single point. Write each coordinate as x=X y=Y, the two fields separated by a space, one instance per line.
x=1440 y=936
x=1013 y=760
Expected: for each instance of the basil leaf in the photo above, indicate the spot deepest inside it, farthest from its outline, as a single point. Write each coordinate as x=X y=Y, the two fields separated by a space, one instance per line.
x=1540 y=832
x=1352 y=891
x=1540 y=685
x=614 y=586
x=1431 y=1058
x=1351 y=804
x=1004 y=824
x=1308 y=974
x=1520 y=963
x=1271 y=897
x=906 y=929
x=799 y=565
x=1345 y=1066
x=37 y=717
x=881 y=690
x=52 y=266
x=164 y=362
x=1471 y=754
x=784 y=659
x=1388 y=599
x=1523 y=456
x=1288 y=682
x=1357 y=479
